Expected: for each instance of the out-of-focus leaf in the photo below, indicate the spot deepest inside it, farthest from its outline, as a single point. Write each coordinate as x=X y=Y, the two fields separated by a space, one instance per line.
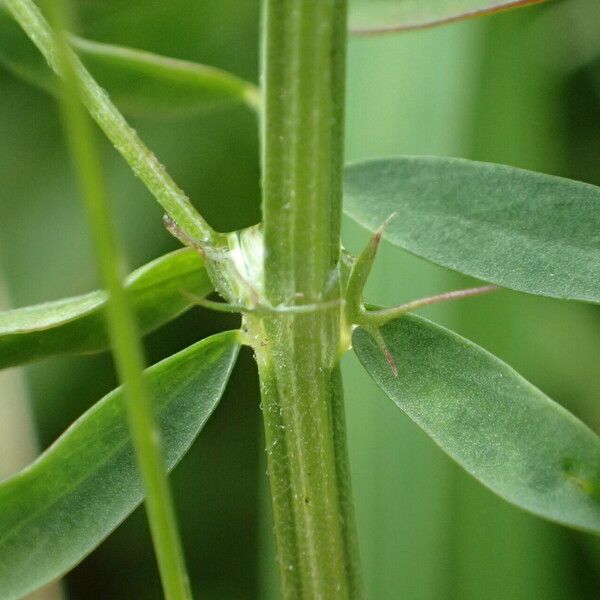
x=148 y=84
x=140 y=83
x=61 y=507
x=499 y=427
x=382 y=16
x=522 y=230
x=77 y=325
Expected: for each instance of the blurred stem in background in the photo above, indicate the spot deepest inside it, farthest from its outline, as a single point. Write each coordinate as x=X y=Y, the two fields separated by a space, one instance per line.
x=121 y=323
x=47 y=255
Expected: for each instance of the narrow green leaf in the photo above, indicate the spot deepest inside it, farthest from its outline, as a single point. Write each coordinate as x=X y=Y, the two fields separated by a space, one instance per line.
x=383 y=16
x=148 y=84
x=522 y=230
x=61 y=507
x=77 y=325
x=500 y=428
x=140 y=83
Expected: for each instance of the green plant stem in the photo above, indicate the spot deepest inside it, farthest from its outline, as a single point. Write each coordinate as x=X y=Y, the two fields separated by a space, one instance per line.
x=122 y=326
x=378 y=318
x=298 y=353
x=125 y=139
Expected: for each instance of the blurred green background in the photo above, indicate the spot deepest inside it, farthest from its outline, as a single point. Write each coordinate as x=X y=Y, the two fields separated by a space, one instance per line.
x=522 y=88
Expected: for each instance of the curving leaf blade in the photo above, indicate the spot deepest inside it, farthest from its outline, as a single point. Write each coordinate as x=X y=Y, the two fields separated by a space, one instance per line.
x=495 y=424
x=383 y=16
x=139 y=83
x=522 y=230
x=76 y=325
x=61 y=507
x=147 y=84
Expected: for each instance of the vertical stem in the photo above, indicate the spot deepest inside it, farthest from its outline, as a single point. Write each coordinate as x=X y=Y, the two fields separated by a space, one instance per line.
x=122 y=326
x=303 y=88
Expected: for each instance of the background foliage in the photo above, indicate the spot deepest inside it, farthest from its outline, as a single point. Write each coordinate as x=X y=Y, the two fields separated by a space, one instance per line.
x=494 y=89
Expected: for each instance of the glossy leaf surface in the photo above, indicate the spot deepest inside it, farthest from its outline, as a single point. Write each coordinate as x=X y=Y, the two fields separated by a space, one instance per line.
x=76 y=325
x=62 y=506
x=499 y=427
x=519 y=229
x=140 y=83
x=381 y=16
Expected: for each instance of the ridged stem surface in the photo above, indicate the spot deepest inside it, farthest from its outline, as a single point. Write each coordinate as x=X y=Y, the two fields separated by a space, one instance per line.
x=298 y=352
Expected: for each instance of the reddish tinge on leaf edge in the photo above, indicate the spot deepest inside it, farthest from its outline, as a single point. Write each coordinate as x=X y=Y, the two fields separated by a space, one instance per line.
x=399 y=27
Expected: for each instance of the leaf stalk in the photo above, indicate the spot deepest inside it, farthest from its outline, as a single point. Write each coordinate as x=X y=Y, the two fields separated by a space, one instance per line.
x=357 y=314
x=378 y=318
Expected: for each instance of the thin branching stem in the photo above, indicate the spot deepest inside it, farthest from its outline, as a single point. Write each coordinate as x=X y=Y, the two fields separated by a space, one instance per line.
x=125 y=139
x=377 y=318
x=121 y=321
